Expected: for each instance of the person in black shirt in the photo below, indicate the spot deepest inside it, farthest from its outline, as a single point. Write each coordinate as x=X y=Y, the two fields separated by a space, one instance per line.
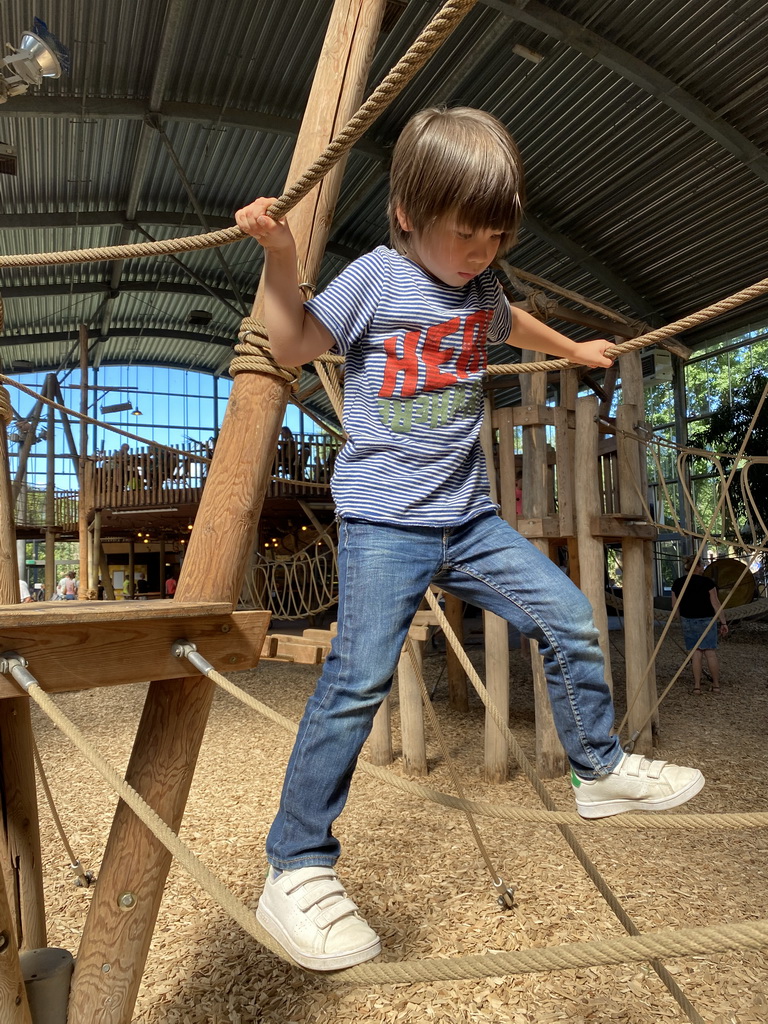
x=696 y=608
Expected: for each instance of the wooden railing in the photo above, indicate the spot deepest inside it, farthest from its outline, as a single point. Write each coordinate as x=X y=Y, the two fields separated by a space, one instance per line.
x=161 y=478
x=31 y=509
x=144 y=479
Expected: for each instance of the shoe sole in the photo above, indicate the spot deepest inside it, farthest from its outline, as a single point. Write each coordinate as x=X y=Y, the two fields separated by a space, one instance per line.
x=314 y=962
x=606 y=808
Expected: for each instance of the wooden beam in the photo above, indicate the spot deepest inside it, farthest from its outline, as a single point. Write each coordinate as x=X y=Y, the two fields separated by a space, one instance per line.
x=22 y=867
x=65 y=656
x=171 y=729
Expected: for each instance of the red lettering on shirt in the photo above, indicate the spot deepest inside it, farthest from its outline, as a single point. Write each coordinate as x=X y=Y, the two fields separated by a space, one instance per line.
x=434 y=356
x=474 y=355
x=403 y=366
x=407 y=364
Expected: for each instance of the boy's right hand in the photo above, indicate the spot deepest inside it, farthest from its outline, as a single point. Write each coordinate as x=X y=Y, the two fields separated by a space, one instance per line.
x=272 y=234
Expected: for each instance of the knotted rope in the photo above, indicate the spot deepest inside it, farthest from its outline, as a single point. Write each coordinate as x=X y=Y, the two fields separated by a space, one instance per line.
x=429 y=40
x=253 y=354
x=6 y=409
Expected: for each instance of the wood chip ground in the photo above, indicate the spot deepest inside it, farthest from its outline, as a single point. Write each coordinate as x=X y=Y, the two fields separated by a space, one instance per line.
x=416 y=874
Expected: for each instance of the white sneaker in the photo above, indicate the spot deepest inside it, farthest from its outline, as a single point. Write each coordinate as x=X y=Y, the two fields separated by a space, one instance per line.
x=636 y=784
x=311 y=916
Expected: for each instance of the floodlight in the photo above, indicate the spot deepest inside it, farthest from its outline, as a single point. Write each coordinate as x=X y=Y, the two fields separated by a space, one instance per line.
x=40 y=56
x=121 y=407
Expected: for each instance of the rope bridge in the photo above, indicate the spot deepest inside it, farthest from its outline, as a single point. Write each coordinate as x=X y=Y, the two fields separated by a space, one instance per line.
x=666 y=943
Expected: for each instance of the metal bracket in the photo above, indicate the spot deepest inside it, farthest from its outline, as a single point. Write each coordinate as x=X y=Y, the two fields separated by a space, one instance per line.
x=10 y=660
x=505 y=896
x=187 y=649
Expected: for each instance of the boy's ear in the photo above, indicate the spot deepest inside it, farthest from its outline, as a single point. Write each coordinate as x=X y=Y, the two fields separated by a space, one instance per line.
x=402 y=219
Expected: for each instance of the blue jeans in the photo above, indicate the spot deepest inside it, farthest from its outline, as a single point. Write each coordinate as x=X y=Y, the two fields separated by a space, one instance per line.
x=384 y=572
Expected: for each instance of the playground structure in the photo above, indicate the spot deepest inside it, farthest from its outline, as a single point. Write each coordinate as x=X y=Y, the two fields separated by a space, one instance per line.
x=125 y=902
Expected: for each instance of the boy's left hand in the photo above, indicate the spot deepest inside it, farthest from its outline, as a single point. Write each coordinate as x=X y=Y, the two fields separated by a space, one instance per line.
x=592 y=353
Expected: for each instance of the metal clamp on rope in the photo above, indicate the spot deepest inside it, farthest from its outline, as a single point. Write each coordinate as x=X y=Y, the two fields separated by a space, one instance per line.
x=83 y=879
x=629 y=746
x=505 y=895
x=14 y=664
x=186 y=649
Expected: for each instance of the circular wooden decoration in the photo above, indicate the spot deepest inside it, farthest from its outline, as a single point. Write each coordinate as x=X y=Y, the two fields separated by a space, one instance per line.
x=725 y=572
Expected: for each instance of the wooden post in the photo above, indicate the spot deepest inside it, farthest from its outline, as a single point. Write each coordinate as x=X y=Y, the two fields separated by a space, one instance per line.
x=458 y=689
x=412 y=711
x=162 y=566
x=87 y=565
x=131 y=568
x=50 y=493
x=115 y=944
x=14 y=1008
x=496 y=632
x=22 y=866
x=637 y=597
x=551 y=760
x=588 y=508
x=93 y=557
x=633 y=393
x=380 y=739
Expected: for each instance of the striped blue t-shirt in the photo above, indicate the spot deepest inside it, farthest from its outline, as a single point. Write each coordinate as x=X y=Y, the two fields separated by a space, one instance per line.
x=416 y=353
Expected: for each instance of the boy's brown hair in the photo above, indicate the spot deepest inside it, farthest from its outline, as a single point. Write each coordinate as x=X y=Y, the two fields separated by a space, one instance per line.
x=460 y=162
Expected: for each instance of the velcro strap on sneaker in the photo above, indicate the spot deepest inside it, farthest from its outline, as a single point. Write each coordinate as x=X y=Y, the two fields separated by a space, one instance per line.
x=655 y=768
x=329 y=916
x=290 y=881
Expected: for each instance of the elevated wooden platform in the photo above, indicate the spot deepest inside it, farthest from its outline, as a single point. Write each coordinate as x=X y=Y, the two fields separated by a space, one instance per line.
x=78 y=645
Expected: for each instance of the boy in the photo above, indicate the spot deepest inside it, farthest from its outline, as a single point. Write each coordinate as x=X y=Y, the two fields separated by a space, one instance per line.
x=413 y=503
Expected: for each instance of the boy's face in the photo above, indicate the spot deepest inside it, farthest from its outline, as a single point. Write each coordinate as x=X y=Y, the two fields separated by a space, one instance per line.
x=450 y=252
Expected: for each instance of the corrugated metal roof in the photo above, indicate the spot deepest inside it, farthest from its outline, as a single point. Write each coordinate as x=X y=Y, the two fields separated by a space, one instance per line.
x=643 y=129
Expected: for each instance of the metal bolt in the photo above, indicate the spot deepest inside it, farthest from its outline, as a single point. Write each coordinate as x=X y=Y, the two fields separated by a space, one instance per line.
x=105 y=968
x=126 y=901
x=232 y=659
x=226 y=628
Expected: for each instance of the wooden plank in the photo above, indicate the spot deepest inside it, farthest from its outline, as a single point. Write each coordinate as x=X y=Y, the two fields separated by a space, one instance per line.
x=539 y=528
x=47 y=613
x=304 y=652
x=86 y=655
x=533 y=415
x=618 y=527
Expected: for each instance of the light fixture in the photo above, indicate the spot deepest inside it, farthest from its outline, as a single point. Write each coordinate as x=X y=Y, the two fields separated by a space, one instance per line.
x=39 y=56
x=137 y=412
x=189 y=526
x=531 y=55
x=121 y=407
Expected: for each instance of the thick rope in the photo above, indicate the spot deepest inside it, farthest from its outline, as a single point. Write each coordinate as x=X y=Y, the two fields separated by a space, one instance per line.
x=667 y=943
x=6 y=409
x=427 y=43
x=644 y=340
x=253 y=354
x=508 y=812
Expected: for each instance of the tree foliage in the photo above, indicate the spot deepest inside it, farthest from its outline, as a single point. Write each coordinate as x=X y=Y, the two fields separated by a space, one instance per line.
x=724 y=431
